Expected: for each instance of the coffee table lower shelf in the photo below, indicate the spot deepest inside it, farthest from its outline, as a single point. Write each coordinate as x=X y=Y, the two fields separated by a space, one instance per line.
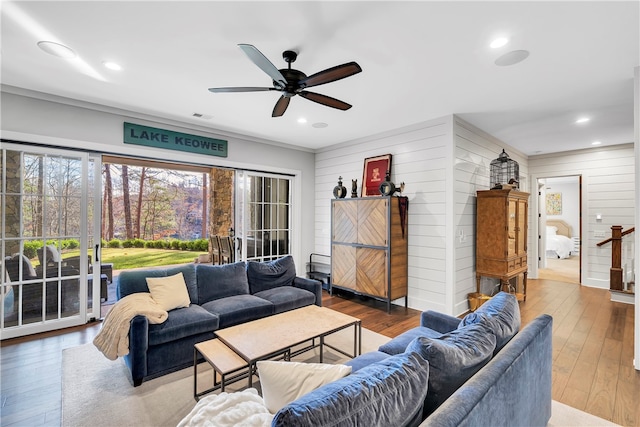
x=224 y=362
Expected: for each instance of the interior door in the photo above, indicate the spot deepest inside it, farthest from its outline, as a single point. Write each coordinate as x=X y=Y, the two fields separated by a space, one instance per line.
x=46 y=217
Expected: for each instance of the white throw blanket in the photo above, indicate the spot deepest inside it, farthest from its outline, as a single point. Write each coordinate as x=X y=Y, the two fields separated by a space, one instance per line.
x=243 y=408
x=113 y=338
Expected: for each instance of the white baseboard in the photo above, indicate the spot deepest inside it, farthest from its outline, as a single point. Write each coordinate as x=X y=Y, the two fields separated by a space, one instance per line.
x=623 y=297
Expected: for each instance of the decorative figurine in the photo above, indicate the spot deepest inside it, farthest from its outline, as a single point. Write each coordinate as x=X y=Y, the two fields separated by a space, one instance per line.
x=354 y=188
x=388 y=188
x=339 y=191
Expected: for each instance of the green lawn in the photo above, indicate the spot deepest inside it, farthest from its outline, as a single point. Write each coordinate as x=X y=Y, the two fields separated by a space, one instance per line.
x=124 y=259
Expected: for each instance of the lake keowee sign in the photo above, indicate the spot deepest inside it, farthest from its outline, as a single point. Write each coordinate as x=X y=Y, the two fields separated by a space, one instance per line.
x=161 y=138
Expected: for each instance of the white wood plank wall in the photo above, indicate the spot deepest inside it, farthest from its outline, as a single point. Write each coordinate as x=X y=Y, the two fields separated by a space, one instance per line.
x=442 y=162
x=420 y=155
x=474 y=151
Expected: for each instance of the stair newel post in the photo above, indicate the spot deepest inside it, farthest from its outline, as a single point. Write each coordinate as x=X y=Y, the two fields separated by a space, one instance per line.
x=615 y=274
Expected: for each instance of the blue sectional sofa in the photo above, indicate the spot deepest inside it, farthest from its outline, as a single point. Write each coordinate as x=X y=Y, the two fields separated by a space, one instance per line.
x=478 y=371
x=221 y=296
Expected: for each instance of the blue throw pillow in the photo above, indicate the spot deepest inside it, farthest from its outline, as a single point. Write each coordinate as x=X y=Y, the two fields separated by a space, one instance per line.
x=501 y=314
x=453 y=359
x=220 y=281
x=387 y=393
x=263 y=276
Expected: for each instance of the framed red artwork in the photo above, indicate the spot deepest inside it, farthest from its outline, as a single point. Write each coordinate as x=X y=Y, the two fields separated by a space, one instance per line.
x=375 y=169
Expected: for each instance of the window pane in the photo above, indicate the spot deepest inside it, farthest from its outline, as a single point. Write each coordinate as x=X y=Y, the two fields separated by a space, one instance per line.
x=283 y=191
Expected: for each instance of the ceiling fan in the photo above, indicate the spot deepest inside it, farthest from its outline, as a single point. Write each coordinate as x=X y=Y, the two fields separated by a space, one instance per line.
x=293 y=82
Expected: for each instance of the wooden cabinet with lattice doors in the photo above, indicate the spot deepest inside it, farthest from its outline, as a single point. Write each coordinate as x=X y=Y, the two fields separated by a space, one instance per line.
x=369 y=246
x=501 y=238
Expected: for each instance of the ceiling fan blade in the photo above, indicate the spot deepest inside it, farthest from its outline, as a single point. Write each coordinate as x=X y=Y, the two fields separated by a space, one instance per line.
x=239 y=89
x=263 y=63
x=331 y=74
x=281 y=106
x=325 y=100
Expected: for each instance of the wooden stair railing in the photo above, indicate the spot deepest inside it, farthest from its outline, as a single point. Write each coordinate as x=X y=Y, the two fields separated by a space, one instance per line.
x=615 y=273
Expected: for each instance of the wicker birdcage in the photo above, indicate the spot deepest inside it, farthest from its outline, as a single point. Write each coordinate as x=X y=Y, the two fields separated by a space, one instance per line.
x=504 y=171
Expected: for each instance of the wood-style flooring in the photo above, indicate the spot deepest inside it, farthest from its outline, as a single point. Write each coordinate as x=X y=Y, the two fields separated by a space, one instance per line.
x=592 y=353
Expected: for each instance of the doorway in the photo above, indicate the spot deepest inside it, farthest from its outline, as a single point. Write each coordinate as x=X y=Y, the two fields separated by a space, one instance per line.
x=47 y=210
x=560 y=228
x=263 y=215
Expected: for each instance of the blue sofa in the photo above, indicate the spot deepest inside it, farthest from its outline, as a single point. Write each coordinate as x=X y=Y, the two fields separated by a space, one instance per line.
x=478 y=371
x=221 y=296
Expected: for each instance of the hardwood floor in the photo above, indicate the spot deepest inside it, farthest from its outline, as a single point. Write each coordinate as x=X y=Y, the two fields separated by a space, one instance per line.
x=592 y=353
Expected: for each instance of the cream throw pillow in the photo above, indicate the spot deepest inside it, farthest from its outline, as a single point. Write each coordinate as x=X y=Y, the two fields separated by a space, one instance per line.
x=284 y=382
x=169 y=292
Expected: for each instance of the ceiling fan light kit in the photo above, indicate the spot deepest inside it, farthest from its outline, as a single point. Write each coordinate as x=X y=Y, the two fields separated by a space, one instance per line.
x=293 y=82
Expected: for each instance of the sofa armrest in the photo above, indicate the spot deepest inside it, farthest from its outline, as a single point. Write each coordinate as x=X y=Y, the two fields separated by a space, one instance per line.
x=440 y=322
x=311 y=285
x=136 y=360
x=514 y=385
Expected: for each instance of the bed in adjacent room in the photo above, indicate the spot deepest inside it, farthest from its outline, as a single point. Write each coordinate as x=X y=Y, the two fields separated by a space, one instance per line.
x=559 y=243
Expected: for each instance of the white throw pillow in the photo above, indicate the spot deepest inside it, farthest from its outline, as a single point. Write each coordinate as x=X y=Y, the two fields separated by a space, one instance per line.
x=169 y=292
x=284 y=382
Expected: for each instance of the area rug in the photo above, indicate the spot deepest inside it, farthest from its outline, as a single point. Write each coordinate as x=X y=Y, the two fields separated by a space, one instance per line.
x=98 y=392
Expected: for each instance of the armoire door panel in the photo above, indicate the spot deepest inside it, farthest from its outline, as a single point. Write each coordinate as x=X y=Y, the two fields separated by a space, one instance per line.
x=371 y=271
x=512 y=233
x=491 y=230
x=345 y=222
x=343 y=266
x=522 y=227
x=372 y=222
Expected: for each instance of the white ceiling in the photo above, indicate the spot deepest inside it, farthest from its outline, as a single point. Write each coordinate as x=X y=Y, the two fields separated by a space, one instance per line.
x=420 y=60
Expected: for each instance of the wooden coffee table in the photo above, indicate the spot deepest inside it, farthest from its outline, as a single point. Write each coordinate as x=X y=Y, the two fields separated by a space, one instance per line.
x=272 y=337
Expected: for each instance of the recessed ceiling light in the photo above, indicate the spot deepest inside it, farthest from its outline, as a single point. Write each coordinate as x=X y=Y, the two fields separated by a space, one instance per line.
x=302 y=120
x=512 y=58
x=583 y=120
x=499 y=42
x=596 y=143
x=319 y=125
x=112 y=65
x=56 y=49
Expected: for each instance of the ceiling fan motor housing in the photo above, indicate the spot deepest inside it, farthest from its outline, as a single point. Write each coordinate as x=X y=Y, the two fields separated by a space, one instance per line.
x=293 y=77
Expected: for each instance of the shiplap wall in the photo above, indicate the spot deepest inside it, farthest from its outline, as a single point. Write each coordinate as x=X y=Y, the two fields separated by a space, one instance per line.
x=421 y=156
x=608 y=188
x=442 y=162
x=474 y=151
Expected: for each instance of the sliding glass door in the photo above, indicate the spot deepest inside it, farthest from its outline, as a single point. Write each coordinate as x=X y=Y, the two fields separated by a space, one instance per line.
x=48 y=247
x=263 y=216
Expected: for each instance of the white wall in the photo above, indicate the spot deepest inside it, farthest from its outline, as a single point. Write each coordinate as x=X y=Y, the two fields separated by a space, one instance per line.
x=71 y=124
x=474 y=151
x=608 y=187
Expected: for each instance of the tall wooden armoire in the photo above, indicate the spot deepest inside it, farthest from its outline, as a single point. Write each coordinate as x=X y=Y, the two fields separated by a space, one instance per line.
x=369 y=247
x=501 y=238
